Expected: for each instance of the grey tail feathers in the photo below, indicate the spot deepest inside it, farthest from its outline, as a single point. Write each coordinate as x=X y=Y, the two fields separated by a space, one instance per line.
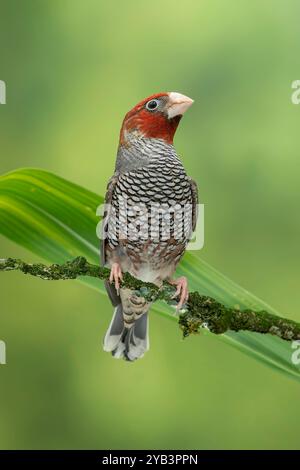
x=127 y=343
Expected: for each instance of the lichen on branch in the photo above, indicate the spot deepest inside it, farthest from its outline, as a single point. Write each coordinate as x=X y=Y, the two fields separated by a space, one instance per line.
x=199 y=311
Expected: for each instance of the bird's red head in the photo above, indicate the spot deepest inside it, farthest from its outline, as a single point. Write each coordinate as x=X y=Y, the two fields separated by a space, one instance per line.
x=155 y=117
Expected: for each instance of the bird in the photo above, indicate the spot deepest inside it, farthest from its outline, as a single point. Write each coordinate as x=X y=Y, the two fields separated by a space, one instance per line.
x=149 y=217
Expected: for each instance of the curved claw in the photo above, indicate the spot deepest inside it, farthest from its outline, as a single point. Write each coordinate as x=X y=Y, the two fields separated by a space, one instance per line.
x=116 y=275
x=181 y=291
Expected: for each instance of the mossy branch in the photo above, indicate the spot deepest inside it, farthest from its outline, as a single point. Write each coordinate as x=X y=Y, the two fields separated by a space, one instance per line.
x=200 y=311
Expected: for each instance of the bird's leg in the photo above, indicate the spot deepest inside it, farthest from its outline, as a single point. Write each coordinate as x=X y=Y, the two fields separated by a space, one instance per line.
x=116 y=275
x=181 y=290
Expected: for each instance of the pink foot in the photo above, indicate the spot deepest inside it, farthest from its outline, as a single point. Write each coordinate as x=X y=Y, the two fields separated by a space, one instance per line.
x=182 y=290
x=116 y=275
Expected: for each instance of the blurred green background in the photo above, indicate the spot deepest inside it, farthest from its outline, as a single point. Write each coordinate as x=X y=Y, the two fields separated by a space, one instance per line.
x=72 y=70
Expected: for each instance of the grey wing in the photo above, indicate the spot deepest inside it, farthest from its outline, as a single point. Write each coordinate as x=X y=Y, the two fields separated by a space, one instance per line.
x=110 y=288
x=195 y=201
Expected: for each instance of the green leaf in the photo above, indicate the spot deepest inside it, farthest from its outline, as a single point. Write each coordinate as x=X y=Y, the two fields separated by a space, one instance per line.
x=57 y=220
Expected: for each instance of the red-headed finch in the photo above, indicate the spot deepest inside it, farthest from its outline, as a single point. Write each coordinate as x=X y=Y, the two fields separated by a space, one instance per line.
x=151 y=211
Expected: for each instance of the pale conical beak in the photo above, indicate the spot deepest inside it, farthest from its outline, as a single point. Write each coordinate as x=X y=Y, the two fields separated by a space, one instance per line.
x=178 y=104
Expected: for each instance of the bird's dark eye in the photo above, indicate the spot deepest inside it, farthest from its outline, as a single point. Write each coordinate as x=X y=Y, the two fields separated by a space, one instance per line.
x=152 y=105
